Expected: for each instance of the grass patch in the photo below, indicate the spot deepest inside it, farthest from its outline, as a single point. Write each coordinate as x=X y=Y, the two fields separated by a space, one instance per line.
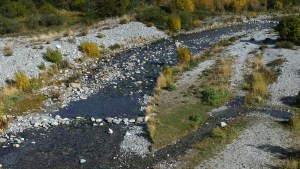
x=215 y=141
x=172 y=119
x=14 y=101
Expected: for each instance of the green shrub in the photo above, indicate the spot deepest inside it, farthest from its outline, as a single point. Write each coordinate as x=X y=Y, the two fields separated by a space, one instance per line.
x=42 y=66
x=53 y=56
x=174 y=23
x=51 y=20
x=184 y=55
x=22 y=81
x=153 y=15
x=91 y=49
x=285 y=44
x=289 y=29
x=8 y=26
x=64 y=64
x=214 y=96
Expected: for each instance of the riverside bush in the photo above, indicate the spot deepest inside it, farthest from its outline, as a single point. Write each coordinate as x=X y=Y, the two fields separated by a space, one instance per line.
x=22 y=81
x=298 y=99
x=91 y=49
x=53 y=56
x=7 y=51
x=174 y=23
x=289 y=29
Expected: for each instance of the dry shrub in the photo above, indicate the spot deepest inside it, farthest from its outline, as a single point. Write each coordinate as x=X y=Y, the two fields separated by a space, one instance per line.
x=291 y=164
x=161 y=82
x=7 y=51
x=3 y=122
x=184 y=55
x=84 y=31
x=258 y=62
x=197 y=23
x=9 y=91
x=22 y=81
x=174 y=23
x=91 y=49
x=259 y=85
x=124 y=21
x=100 y=35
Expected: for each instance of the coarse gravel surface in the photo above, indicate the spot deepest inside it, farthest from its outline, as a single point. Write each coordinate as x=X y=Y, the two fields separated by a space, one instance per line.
x=28 y=53
x=259 y=146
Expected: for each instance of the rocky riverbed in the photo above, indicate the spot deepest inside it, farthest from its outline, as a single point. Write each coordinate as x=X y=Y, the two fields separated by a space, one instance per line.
x=119 y=88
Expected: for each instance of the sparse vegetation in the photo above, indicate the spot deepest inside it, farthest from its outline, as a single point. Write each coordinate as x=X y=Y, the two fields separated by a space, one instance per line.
x=7 y=51
x=257 y=83
x=100 y=35
x=53 y=55
x=285 y=44
x=42 y=66
x=91 y=49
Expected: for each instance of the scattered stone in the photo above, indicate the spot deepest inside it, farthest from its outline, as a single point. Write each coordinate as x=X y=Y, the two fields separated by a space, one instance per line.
x=1 y=166
x=16 y=145
x=75 y=85
x=131 y=121
x=3 y=140
x=33 y=142
x=58 y=46
x=93 y=119
x=57 y=117
x=146 y=119
x=36 y=124
x=54 y=123
x=110 y=131
x=223 y=124
x=109 y=119
x=139 y=119
x=82 y=161
x=98 y=120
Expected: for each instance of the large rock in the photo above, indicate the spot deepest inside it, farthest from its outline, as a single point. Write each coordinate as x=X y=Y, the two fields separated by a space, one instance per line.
x=140 y=120
x=75 y=85
x=82 y=161
x=109 y=119
x=3 y=140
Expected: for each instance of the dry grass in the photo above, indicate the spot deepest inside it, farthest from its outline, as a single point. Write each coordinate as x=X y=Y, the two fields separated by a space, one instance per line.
x=7 y=51
x=291 y=164
x=91 y=49
x=9 y=91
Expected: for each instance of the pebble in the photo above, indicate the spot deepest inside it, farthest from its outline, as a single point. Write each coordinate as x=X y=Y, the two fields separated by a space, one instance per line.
x=110 y=131
x=82 y=161
x=98 y=120
x=16 y=145
x=223 y=124
x=93 y=119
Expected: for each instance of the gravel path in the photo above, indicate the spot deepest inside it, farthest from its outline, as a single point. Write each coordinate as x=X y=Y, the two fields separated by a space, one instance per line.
x=257 y=147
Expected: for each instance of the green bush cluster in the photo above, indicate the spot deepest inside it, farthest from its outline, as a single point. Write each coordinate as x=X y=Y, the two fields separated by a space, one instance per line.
x=214 y=96
x=53 y=56
x=289 y=29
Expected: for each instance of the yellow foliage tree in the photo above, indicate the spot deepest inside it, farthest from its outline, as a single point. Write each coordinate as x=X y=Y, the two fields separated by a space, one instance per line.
x=278 y=5
x=185 y=5
x=204 y=4
x=174 y=23
x=238 y=5
x=254 y=4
